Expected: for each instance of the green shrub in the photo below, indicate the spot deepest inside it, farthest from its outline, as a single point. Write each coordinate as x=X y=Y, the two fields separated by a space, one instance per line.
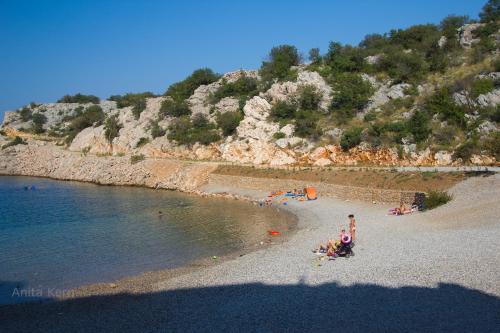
x=156 y=130
x=465 y=151
x=442 y=103
x=435 y=199
x=142 y=142
x=309 y=98
x=306 y=124
x=492 y=145
x=228 y=122
x=174 y=108
x=351 y=138
x=111 y=128
x=351 y=95
x=283 y=111
x=279 y=135
x=419 y=126
x=130 y=99
x=403 y=67
x=79 y=98
x=136 y=101
x=481 y=86
x=16 y=141
x=184 y=131
x=25 y=114
x=245 y=86
x=496 y=65
x=281 y=58
x=137 y=158
x=39 y=120
x=91 y=116
x=370 y=116
x=182 y=90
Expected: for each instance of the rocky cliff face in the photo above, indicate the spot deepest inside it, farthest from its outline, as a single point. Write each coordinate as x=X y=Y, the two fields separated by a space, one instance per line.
x=257 y=138
x=47 y=160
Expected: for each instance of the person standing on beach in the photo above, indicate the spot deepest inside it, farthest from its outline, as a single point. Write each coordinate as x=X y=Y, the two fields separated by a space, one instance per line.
x=352 y=227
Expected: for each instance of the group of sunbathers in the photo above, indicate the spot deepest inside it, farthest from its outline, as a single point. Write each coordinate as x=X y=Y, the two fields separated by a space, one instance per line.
x=344 y=244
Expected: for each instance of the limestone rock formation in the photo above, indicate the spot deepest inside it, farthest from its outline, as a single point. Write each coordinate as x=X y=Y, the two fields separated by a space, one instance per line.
x=466 y=36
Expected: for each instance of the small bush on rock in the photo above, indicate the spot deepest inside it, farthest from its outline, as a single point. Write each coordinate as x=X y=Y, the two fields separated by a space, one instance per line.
x=39 y=120
x=156 y=130
x=243 y=87
x=481 y=86
x=91 y=116
x=16 y=141
x=142 y=142
x=279 y=135
x=111 y=128
x=182 y=90
x=185 y=131
x=25 y=114
x=137 y=158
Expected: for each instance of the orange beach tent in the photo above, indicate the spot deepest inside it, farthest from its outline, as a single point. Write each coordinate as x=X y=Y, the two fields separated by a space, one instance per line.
x=310 y=193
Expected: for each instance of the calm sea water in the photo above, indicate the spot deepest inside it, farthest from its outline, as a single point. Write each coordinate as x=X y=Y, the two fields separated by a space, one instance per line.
x=57 y=235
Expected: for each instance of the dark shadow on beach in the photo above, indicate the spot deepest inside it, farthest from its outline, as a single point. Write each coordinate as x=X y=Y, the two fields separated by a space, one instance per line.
x=265 y=308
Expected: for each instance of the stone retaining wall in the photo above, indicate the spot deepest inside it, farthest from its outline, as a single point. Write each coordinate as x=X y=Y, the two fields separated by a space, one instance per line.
x=324 y=189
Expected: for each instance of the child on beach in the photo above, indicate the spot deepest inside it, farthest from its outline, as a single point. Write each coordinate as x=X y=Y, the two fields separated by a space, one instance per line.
x=352 y=226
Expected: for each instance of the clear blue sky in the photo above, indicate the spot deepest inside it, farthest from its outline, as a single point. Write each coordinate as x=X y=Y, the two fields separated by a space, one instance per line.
x=50 y=48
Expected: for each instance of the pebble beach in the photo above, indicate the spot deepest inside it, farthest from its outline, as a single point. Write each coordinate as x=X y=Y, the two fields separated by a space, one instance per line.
x=437 y=270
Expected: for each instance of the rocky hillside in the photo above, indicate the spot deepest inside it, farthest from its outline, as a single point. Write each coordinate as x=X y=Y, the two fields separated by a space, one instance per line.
x=426 y=95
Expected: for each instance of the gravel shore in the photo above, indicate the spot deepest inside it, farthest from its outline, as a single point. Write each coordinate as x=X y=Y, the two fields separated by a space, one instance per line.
x=433 y=271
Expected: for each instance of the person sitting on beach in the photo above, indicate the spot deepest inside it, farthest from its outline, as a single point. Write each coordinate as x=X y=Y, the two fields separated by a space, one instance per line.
x=352 y=226
x=328 y=248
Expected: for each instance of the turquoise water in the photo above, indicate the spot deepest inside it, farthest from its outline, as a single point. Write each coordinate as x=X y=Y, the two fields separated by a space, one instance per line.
x=60 y=235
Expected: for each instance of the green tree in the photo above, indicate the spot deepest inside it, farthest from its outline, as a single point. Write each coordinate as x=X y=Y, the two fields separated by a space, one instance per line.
x=344 y=58
x=490 y=12
x=281 y=58
x=314 y=55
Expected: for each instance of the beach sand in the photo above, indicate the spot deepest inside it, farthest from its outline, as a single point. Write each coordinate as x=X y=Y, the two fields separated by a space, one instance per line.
x=433 y=271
